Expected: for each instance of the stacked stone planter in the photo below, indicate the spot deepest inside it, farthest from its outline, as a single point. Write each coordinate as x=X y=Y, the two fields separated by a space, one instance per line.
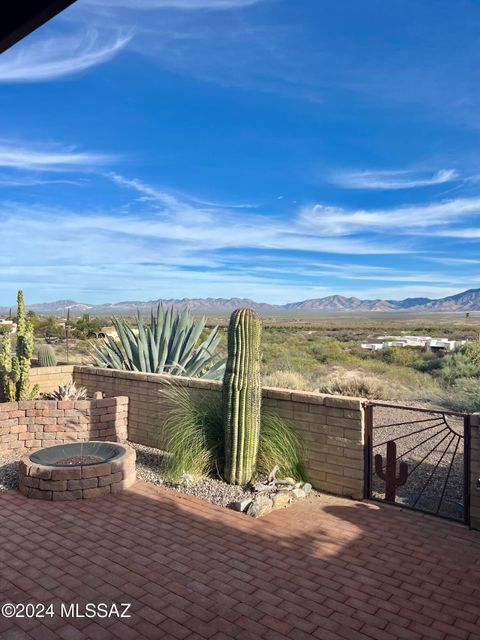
x=33 y=424
x=77 y=482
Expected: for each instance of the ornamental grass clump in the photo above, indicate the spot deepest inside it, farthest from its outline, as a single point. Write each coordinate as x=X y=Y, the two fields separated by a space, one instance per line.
x=195 y=440
x=280 y=445
x=194 y=432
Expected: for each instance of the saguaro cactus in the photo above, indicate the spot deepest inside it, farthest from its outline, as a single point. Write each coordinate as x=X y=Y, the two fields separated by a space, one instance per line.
x=242 y=396
x=389 y=475
x=15 y=369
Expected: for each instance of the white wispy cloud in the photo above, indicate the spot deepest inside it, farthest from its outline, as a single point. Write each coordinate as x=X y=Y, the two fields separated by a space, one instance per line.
x=150 y=5
x=48 y=58
x=402 y=220
x=147 y=192
x=158 y=235
x=454 y=262
x=188 y=219
x=392 y=180
x=350 y=271
x=17 y=155
x=169 y=198
x=28 y=181
x=467 y=233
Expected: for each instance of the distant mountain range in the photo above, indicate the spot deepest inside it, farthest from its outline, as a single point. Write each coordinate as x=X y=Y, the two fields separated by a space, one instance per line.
x=465 y=301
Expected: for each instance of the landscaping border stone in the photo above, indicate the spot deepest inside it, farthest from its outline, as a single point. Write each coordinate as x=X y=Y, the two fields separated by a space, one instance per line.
x=49 y=482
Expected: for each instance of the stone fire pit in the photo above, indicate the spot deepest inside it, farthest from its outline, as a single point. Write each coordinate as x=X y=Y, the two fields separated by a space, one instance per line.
x=77 y=470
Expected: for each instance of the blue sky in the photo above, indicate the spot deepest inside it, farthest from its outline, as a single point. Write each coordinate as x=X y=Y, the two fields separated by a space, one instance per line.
x=269 y=149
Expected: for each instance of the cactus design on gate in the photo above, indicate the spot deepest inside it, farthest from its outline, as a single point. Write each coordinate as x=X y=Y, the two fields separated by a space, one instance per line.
x=242 y=396
x=389 y=475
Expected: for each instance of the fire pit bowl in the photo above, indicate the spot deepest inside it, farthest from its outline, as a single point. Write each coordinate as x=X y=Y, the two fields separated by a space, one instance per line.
x=77 y=470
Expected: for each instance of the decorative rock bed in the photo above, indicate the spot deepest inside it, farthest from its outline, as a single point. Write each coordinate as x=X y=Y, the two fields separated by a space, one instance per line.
x=254 y=500
x=77 y=471
x=273 y=493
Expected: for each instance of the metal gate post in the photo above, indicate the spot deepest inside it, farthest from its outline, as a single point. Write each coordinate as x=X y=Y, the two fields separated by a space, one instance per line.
x=466 y=468
x=367 y=484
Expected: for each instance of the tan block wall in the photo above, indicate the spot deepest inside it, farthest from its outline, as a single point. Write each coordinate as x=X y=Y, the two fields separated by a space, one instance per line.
x=331 y=427
x=332 y=430
x=50 y=378
x=32 y=424
x=148 y=405
x=475 y=471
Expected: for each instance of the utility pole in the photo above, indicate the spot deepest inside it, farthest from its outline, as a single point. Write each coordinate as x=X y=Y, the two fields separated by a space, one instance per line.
x=67 y=327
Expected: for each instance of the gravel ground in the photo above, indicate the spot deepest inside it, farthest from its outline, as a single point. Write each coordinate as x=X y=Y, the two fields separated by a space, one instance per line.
x=439 y=450
x=211 y=489
x=8 y=472
x=148 y=469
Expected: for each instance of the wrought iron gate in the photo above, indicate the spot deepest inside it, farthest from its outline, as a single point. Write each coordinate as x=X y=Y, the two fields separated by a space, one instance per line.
x=418 y=459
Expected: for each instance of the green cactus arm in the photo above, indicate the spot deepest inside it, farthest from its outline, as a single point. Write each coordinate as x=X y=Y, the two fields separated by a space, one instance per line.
x=21 y=317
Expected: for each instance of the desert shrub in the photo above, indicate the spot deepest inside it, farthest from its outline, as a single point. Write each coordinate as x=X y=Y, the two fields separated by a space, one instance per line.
x=404 y=356
x=463 y=395
x=458 y=365
x=357 y=386
x=295 y=350
x=289 y=380
x=327 y=351
x=280 y=445
x=430 y=363
x=472 y=351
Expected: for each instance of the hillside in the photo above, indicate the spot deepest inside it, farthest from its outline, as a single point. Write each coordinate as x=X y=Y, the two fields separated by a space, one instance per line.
x=460 y=302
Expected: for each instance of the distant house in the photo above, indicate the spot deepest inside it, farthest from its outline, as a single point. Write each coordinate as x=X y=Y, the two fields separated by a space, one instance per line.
x=375 y=345
x=444 y=343
x=420 y=342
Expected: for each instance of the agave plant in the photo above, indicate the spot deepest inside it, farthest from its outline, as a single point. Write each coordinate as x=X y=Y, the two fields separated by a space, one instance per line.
x=67 y=391
x=167 y=345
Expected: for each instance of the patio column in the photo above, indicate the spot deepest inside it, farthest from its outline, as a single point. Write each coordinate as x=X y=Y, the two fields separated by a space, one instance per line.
x=475 y=471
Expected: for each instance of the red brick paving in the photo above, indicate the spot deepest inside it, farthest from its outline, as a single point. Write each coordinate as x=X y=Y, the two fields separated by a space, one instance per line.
x=327 y=569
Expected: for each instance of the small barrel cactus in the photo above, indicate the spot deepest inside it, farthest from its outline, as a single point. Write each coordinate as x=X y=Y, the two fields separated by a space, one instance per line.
x=242 y=396
x=46 y=356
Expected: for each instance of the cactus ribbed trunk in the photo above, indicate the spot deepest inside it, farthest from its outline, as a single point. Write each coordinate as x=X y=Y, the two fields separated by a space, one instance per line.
x=9 y=370
x=46 y=356
x=242 y=396
x=15 y=370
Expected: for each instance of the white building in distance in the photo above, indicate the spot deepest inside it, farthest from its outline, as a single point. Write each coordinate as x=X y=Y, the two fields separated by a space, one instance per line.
x=8 y=325
x=421 y=342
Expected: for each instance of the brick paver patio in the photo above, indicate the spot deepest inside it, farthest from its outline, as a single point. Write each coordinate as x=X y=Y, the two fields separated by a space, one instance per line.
x=326 y=569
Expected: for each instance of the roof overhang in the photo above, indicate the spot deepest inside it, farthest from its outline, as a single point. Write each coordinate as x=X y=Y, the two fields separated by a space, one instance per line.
x=21 y=17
